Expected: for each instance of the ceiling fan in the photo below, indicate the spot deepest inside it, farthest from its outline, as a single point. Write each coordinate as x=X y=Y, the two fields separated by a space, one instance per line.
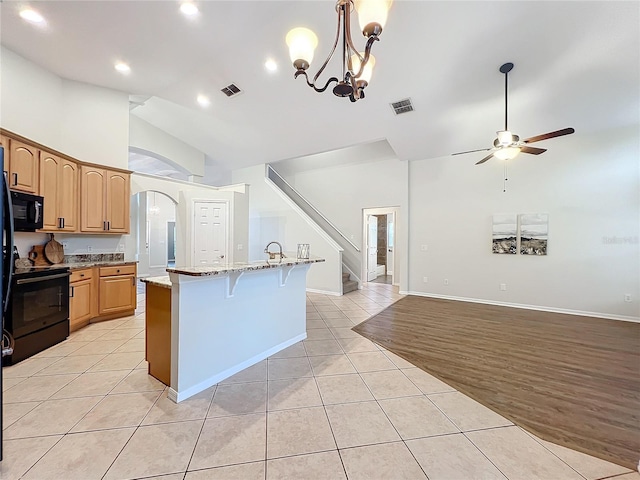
x=508 y=145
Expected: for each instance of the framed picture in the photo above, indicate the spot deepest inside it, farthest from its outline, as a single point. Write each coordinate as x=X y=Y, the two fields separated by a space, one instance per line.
x=534 y=233
x=504 y=233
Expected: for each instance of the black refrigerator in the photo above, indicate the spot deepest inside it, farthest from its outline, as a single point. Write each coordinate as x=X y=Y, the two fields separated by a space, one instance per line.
x=6 y=269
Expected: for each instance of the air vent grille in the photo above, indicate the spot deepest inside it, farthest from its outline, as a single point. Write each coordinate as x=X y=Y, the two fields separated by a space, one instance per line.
x=231 y=90
x=402 y=106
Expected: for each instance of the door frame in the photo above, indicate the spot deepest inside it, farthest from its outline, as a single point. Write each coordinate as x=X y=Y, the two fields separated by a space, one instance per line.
x=395 y=211
x=192 y=240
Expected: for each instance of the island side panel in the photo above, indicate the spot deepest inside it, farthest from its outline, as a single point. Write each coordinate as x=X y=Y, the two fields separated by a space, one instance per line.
x=214 y=336
x=158 y=332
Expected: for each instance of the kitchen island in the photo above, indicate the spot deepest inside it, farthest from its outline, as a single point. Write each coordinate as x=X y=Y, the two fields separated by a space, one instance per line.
x=227 y=317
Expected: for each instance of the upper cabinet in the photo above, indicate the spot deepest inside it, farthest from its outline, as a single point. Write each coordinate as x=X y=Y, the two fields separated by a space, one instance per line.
x=24 y=167
x=78 y=197
x=104 y=200
x=59 y=187
x=4 y=141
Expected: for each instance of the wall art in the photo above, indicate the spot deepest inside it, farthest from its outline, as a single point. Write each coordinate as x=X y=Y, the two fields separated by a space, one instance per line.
x=504 y=233
x=534 y=233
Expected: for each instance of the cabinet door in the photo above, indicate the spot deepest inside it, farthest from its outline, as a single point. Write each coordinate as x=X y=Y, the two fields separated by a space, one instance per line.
x=4 y=141
x=118 y=201
x=117 y=294
x=50 y=189
x=24 y=167
x=80 y=304
x=68 y=195
x=92 y=197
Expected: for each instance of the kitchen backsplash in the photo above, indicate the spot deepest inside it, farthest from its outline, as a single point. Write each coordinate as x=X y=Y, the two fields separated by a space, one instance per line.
x=74 y=244
x=94 y=257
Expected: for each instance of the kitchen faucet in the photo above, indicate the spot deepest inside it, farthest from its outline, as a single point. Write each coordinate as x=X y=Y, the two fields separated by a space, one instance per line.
x=273 y=255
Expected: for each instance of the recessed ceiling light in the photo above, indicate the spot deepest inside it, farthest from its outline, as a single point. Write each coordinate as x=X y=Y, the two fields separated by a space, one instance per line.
x=122 y=67
x=32 y=16
x=271 y=65
x=189 y=9
x=203 y=100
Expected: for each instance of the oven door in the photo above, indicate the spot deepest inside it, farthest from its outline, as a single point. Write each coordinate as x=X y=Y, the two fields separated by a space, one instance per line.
x=38 y=302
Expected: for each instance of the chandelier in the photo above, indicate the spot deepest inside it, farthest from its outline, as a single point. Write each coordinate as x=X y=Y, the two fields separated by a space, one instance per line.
x=357 y=66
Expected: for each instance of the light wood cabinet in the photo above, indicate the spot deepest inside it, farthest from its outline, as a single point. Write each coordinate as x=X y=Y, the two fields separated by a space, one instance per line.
x=59 y=187
x=4 y=141
x=104 y=200
x=117 y=293
x=80 y=301
x=24 y=167
x=118 y=201
x=158 y=332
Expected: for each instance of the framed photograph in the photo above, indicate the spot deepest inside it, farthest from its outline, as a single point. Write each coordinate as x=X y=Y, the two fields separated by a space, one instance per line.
x=505 y=233
x=534 y=233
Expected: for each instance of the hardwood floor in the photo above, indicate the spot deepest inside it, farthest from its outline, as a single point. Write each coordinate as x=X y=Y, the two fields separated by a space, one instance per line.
x=571 y=380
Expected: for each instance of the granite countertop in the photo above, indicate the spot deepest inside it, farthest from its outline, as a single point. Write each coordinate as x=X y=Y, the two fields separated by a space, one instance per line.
x=163 y=282
x=242 y=267
x=88 y=264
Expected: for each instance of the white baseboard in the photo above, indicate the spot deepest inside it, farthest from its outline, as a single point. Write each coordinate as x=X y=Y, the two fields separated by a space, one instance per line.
x=527 y=307
x=217 y=378
x=323 y=292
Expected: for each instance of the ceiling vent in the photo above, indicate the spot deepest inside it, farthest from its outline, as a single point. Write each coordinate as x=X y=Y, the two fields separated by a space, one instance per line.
x=402 y=106
x=231 y=90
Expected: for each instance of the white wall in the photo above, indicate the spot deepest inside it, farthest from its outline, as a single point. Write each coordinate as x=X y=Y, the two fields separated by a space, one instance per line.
x=589 y=187
x=271 y=218
x=340 y=193
x=87 y=122
x=144 y=136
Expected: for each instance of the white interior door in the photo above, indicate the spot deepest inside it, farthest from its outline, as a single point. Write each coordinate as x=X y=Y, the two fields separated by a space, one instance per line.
x=209 y=232
x=372 y=247
x=390 y=240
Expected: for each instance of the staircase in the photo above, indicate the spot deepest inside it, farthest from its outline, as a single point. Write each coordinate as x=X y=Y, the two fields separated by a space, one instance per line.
x=348 y=285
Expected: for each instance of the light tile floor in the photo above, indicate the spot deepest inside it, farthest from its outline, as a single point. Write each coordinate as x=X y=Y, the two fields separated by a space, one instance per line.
x=335 y=406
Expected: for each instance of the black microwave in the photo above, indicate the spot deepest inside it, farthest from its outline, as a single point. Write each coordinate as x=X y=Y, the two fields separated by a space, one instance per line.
x=27 y=211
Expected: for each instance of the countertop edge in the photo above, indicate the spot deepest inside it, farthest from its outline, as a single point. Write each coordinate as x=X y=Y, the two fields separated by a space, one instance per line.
x=245 y=267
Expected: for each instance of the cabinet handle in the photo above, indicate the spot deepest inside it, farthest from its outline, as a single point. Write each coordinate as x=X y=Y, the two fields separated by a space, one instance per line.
x=104 y=225
x=73 y=291
x=118 y=271
x=82 y=274
x=133 y=281
x=108 y=225
x=15 y=179
x=62 y=218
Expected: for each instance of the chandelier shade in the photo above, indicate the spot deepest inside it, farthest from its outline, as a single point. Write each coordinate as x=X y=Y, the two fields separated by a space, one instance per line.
x=302 y=42
x=357 y=66
x=372 y=12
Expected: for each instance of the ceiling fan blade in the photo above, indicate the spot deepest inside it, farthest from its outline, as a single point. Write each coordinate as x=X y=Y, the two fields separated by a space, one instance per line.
x=485 y=159
x=471 y=151
x=532 y=150
x=545 y=136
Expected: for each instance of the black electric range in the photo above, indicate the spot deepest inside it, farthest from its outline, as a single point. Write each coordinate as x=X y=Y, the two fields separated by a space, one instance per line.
x=38 y=311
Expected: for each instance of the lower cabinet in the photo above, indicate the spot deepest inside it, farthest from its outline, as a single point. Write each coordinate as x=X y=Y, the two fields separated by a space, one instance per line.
x=80 y=298
x=101 y=293
x=117 y=289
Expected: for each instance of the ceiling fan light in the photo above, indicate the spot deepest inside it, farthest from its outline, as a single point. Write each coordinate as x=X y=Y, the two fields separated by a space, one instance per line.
x=507 y=153
x=368 y=67
x=301 y=42
x=372 y=12
x=505 y=137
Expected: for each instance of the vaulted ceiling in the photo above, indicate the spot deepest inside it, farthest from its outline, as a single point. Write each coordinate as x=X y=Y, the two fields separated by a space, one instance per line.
x=576 y=64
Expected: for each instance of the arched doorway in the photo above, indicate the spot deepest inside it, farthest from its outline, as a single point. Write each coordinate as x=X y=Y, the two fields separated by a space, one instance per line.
x=154 y=219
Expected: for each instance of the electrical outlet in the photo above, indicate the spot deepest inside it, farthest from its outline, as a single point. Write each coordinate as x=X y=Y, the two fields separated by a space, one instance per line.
x=424 y=248
x=65 y=245
x=627 y=297
x=425 y=279
x=89 y=248
x=240 y=246
x=446 y=281
x=121 y=247
x=503 y=287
